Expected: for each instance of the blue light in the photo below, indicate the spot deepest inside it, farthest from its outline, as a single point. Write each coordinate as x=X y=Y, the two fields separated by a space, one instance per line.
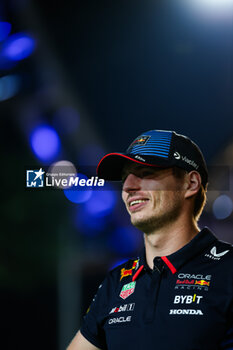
x=79 y=194
x=9 y=86
x=87 y=226
x=125 y=240
x=5 y=29
x=117 y=263
x=209 y=9
x=222 y=207
x=5 y=63
x=18 y=46
x=102 y=203
x=45 y=143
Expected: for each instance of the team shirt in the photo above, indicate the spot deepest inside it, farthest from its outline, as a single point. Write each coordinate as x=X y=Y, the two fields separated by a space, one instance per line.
x=184 y=303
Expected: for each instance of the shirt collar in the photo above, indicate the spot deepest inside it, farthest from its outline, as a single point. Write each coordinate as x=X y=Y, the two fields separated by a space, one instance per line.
x=195 y=247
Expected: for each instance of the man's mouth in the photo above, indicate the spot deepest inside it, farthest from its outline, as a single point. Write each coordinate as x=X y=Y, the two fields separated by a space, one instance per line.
x=136 y=204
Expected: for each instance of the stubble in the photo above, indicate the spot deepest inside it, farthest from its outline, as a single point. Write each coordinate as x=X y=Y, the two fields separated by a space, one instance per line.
x=165 y=213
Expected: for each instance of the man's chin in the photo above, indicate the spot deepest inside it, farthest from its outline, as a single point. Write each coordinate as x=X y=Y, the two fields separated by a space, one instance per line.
x=144 y=225
x=150 y=225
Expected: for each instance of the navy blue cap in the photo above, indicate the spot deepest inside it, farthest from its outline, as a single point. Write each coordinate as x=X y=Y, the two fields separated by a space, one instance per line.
x=157 y=148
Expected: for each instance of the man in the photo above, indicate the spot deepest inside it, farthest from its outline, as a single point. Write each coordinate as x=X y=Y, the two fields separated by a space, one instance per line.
x=179 y=293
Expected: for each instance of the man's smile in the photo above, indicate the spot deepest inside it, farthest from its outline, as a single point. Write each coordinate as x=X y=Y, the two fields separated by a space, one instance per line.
x=135 y=204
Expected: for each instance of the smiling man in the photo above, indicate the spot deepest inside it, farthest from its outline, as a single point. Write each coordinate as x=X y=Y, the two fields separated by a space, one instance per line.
x=179 y=293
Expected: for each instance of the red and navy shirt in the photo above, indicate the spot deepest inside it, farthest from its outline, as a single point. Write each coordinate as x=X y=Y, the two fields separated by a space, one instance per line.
x=185 y=302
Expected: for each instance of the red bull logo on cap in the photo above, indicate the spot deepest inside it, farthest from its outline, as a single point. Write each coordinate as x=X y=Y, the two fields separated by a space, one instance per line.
x=141 y=140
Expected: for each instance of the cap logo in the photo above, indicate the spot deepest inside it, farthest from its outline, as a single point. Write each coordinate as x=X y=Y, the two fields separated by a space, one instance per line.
x=140 y=158
x=141 y=140
x=191 y=162
x=186 y=160
x=176 y=155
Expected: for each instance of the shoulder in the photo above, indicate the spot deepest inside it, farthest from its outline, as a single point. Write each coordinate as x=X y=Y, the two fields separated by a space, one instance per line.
x=124 y=270
x=128 y=266
x=221 y=252
x=215 y=248
x=117 y=275
x=221 y=249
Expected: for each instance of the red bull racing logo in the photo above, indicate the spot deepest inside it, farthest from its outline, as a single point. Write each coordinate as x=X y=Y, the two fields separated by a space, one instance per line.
x=193 y=281
x=125 y=272
x=202 y=283
x=141 y=140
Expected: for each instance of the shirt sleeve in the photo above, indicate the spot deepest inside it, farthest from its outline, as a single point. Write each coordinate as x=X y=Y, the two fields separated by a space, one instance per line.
x=92 y=325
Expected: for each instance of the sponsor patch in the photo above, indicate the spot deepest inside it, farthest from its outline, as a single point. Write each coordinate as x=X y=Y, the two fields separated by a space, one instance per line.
x=140 y=158
x=193 y=281
x=187 y=299
x=197 y=276
x=214 y=255
x=127 y=290
x=202 y=283
x=177 y=155
x=123 y=308
x=119 y=320
x=186 y=160
x=128 y=272
x=185 y=312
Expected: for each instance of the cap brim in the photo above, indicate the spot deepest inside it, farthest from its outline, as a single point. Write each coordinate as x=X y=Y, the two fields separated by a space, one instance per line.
x=111 y=165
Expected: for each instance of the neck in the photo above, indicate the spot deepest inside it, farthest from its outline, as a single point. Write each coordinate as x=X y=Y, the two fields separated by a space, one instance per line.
x=169 y=239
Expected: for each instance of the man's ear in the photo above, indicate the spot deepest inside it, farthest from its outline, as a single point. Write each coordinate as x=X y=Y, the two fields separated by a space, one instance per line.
x=193 y=183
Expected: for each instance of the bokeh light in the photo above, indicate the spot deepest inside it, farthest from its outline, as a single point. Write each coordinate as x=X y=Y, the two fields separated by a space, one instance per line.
x=86 y=225
x=62 y=169
x=6 y=64
x=79 y=194
x=18 y=46
x=9 y=86
x=5 y=29
x=222 y=207
x=45 y=143
x=209 y=9
x=215 y=4
x=102 y=202
x=125 y=240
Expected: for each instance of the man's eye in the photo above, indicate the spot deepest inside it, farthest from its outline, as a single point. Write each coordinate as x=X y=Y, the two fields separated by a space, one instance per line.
x=146 y=173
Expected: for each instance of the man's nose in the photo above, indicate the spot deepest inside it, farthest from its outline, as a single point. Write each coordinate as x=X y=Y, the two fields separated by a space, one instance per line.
x=132 y=183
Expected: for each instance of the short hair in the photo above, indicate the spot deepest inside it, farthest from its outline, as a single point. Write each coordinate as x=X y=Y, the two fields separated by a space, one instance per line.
x=200 y=197
x=199 y=203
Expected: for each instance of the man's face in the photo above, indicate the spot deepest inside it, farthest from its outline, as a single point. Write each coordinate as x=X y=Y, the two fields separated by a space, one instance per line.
x=154 y=197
